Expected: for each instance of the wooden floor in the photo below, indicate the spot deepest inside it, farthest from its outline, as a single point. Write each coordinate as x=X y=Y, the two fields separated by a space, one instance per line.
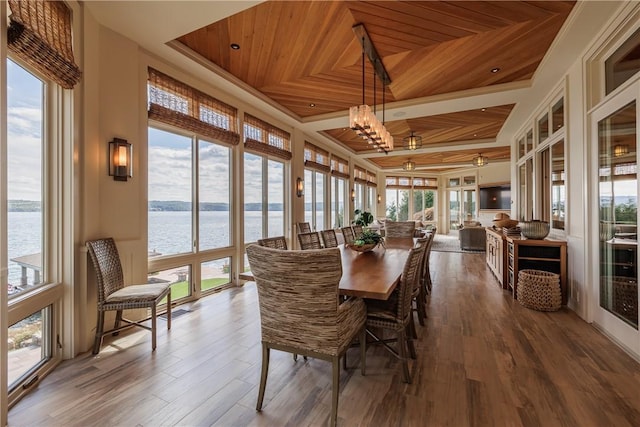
x=483 y=360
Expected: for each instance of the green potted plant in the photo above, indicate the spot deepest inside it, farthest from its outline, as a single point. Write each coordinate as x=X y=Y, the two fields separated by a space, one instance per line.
x=362 y=218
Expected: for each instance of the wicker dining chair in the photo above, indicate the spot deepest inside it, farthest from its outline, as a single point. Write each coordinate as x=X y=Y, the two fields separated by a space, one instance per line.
x=417 y=294
x=348 y=234
x=357 y=231
x=427 y=284
x=329 y=238
x=304 y=227
x=301 y=312
x=309 y=241
x=278 y=242
x=113 y=295
x=395 y=313
x=399 y=228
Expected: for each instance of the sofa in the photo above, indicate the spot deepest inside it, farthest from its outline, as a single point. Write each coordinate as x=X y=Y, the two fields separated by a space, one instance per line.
x=473 y=238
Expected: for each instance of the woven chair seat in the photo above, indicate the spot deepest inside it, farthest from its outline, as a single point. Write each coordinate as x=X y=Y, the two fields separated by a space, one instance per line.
x=539 y=290
x=133 y=293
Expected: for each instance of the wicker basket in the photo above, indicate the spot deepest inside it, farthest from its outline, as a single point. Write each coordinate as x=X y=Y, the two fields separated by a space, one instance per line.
x=367 y=247
x=539 y=290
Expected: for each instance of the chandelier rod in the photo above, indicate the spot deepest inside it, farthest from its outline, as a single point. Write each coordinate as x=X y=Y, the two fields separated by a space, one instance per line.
x=363 y=101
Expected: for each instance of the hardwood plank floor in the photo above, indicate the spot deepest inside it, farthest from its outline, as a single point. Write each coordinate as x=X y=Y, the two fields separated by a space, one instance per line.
x=483 y=360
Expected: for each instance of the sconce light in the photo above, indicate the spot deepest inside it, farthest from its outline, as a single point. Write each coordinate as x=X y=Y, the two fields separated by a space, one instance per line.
x=620 y=150
x=120 y=159
x=299 y=187
x=353 y=194
x=379 y=198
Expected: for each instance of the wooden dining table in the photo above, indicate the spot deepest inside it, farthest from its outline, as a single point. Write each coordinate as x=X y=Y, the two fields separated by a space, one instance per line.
x=374 y=274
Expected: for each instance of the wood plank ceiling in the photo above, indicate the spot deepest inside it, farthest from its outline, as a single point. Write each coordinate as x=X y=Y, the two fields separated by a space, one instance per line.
x=305 y=57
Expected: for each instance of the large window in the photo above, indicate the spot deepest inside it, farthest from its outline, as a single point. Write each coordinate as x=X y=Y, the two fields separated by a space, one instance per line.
x=30 y=327
x=314 y=195
x=263 y=197
x=183 y=224
x=339 y=191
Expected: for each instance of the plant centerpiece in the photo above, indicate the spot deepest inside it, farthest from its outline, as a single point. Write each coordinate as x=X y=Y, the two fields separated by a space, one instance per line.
x=367 y=242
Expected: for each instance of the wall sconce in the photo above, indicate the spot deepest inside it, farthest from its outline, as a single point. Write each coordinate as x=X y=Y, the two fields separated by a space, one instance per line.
x=379 y=198
x=120 y=159
x=353 y=195
x=299 y=187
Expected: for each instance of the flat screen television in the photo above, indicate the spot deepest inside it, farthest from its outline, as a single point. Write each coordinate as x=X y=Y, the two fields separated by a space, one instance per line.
x=498 y=197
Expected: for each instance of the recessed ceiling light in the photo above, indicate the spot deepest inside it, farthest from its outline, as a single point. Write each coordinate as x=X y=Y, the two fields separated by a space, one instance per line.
x=475 y=134
x=312 y=105
x=495 y=70
x=484 y=109
x=235 y=46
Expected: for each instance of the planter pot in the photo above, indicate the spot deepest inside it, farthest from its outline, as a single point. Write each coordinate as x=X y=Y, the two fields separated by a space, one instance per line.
x=363 y=248
x=535 y=229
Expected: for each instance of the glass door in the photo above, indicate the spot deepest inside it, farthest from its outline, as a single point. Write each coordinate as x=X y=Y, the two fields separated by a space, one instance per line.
x=454 y=209
x=615 y=127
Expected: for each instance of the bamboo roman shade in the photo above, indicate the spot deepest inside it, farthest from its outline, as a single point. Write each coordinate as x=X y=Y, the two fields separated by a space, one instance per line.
x=266 y=139
x=40 y=34
x=371 y=179
x=425 y=183
x=174 y=103
x=359 y=175
x=339 y=167
x=316 y=158
x=399 y=182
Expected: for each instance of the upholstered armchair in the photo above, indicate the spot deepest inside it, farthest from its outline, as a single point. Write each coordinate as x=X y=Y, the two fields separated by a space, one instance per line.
x=473 y=238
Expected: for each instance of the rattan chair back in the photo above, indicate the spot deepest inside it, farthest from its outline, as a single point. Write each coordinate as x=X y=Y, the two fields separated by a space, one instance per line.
x=357 y=231
x=113 y=295
x=348 y=234
x=399 y=228
x=304 y=227
x=300 y=309
x=309 y=241
x=278 y=242
x=329 y=238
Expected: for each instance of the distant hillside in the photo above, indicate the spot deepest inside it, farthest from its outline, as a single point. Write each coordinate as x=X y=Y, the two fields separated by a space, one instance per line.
x=175 y=206
x=24 y=206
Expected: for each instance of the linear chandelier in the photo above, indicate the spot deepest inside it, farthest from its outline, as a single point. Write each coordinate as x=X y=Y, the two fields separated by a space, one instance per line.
x=362 y=119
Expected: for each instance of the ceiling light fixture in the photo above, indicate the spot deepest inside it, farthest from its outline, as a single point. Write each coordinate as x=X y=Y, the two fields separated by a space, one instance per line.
x=361 y=118
x=480 y=160
x=408 y=166
x=412 y=142
x=235 y=46
x=495 y=70
x=620 y=150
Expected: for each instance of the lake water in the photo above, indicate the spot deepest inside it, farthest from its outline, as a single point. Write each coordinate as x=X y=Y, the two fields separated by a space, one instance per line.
x=169 y=233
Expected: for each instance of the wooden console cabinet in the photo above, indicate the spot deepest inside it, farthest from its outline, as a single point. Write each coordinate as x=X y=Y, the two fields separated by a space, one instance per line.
x=495 y=255
x=545 y=255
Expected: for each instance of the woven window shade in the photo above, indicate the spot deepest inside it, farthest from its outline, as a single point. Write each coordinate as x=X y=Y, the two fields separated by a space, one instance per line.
x=371 y=179
x=264 y=138
x=40 y=34
x=339 y=167
x=316 y=158
x=359 y=175
x=399 y=182
x=176 y=104
x=425 y=183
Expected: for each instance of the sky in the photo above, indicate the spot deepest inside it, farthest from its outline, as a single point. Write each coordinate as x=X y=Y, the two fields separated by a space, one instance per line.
x=171 y=165
x=24 y=130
